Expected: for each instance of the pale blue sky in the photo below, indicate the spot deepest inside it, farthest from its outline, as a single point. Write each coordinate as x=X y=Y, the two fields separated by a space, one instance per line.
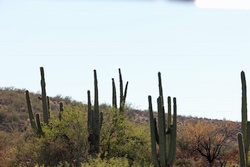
x=200 y=52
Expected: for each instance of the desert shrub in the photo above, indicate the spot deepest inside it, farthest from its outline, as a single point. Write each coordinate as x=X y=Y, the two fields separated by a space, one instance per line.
x=64 y=141
x=123 y=138
x=8 y=142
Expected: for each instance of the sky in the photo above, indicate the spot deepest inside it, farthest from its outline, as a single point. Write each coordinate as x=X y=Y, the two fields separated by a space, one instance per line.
x=200 y=52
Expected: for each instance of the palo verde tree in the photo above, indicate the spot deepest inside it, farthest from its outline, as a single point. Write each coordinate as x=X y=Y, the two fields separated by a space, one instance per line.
x=207 y=139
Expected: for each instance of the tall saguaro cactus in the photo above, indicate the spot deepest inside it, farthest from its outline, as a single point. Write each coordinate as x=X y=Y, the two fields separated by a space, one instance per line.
x=244 y=136
x=123 y=93
x=165 y=134
x=95 y=118
x=45 y=105
x=44 y=98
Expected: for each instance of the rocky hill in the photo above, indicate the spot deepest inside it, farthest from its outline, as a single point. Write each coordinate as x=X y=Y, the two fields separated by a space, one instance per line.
x=14 y=118
x=14 y=114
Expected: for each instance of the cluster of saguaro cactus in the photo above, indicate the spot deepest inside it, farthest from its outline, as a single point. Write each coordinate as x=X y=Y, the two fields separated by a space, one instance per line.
x=244 y=135
x=165 y=134
x=46 y=107
x=123 y=93
x=95 y=118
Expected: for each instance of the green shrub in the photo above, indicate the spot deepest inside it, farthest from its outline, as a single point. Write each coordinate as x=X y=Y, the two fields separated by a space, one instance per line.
x=123 y=138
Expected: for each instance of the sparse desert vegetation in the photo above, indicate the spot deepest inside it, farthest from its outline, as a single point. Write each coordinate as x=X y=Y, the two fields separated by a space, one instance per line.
x=121 y=137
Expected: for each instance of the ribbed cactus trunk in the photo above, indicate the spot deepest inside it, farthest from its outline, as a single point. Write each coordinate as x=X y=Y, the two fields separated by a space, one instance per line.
x=31 y=115
x=244 y=109
x=162 y=131
x=244 y=136
x=96 y=120
x=173 y=135
x=242 y=152
x=154 y=134
x=165 y=135
x=44 y=98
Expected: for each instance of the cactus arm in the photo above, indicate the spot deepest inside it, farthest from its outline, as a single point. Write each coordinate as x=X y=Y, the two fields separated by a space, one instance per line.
x=169 y=111
x=153 y=133
x=90 y=124
x=160 y=87
x=101 y=120
x=173 y=135
x=48 y=106
x=39 y=127
x=175 y=127
x=44 y=97
x=31 y=115
x=89 y=113
x=168 y=124
x=114 y=102
x=125 y=93
x=60 y=110
x=156 y=132
x=162 y=131
x=121 y=84
x=241 y=150
x=121 y=90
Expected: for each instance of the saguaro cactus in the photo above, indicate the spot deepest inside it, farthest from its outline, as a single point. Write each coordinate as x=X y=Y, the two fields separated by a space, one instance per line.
x=164 y=137
x=95 y=118
x=245 y=124
x=123 y=93
x=45 y=104
x=44 y=98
